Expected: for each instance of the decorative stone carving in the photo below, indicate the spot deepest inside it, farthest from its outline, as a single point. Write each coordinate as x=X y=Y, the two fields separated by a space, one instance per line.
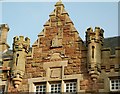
x=55 y=73
x=57 y=40
x=55 y=57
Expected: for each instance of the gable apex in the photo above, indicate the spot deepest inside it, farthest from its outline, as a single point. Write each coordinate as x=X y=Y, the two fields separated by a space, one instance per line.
x=59 y=3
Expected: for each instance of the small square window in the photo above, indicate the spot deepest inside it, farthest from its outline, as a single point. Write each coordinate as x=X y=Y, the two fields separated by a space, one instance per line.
x=114 y=84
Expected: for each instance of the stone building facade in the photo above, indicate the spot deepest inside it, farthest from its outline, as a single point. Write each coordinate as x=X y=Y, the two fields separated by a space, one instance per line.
x=59 y=60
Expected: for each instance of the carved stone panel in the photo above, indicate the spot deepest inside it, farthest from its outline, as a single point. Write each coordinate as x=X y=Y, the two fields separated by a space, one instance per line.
x=56 y=42
x=55 y=73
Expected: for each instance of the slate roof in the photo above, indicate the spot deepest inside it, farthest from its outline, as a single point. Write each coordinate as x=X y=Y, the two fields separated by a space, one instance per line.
x=8 y=54
x=112 y=43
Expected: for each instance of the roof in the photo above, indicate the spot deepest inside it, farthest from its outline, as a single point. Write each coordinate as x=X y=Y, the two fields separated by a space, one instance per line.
x=7 y=54
x=112 y=43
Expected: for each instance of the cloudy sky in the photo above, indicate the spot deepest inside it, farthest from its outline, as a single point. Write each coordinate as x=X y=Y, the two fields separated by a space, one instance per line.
x=27 y=18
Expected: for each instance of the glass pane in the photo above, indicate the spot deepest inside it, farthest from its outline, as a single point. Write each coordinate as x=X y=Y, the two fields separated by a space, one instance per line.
x=116 y=81
x=112 y=84
x=112 y=87
x=116 y=87
x=67 y=91
x=37 y=86
x=112 y=81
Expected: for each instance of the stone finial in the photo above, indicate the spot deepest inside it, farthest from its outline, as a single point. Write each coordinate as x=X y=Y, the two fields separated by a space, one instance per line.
x=59 y=3
x=4 y=26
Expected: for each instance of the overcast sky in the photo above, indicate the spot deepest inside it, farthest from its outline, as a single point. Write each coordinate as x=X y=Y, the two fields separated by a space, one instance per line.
x=27 y=18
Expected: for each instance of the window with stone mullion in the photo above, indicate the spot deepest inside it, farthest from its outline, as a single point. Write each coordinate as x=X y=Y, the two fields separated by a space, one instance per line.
x=115 y=84
x=70 y=87
x=40 y=89
x=56 y=88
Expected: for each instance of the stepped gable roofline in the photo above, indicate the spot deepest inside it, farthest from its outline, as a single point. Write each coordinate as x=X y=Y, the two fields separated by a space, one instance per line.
x=41 y=33
x=52 y=13
x=59 y=3
x=68 y=20
x=47 y=23
x=58 y=15
x=65 y=12
x=35 y=43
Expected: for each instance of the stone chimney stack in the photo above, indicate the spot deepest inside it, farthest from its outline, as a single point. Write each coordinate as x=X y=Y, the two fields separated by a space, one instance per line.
x=4 y=28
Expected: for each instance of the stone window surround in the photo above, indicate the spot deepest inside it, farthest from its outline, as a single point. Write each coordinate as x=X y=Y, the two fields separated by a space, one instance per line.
x=70 y=86
x=55 y=87
x=40 y=88
x=55 y=64
x=70 y=83
x=32 y=82
x=114 y=83
x=108 y=76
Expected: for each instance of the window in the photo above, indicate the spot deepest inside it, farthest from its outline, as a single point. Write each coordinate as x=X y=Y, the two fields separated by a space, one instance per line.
x=2 y=88
x=114 y=84
x=56 y=88
x=93 y=51
x=70 y=87
x=40 y=89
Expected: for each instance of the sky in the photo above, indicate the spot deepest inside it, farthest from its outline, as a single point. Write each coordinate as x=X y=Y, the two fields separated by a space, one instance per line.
x=28 y=17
